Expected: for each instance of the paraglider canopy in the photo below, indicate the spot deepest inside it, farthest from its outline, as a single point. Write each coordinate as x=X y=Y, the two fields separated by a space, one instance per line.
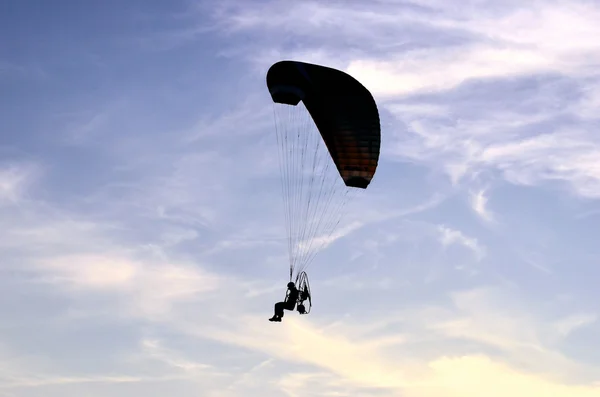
x=343 y=111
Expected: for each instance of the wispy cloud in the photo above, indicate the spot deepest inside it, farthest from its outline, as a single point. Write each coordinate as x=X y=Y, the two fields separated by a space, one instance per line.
x=479 y=201
x=573 y=322
x=480 y=316
x=92 y=126
x=50 y=381
x=15 y=179
x=487 y=43
x=321 y=242
x=450 y=236
x=155 y=351
x=152 y=287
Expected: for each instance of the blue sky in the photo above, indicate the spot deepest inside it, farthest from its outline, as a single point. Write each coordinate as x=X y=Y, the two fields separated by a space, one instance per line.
x=142 y=235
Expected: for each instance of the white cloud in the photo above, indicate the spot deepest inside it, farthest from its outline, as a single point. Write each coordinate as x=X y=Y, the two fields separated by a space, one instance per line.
x=479 y=204
x=319 y=243
x=91 y=271
x=561 y=40
x=559 y=156
x=45 y=381
x=566 y=155
x=155 y=351
x=429 y=71
x=501 y=45
x=450 y=236
x=502 y=346
x=14 y=180
x=148 y=288
x=336 y=353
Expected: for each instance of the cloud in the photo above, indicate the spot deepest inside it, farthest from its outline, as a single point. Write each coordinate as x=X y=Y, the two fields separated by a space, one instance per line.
x=501 y=347
x=89 y=127
x=91 y=271
x=487 y=43
x=45 y=381
x=449 y=237
x=319 y=243
x=478 y=203
x=466 y=376
x=573 y=322
x=501 y=46
x=249 y=118
x=150 y=288
x=155 y=351
x=333 y=352
x=421 y=70
x=15 y=179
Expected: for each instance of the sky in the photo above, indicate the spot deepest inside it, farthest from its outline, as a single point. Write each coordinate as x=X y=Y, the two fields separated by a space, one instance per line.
x=141 y=219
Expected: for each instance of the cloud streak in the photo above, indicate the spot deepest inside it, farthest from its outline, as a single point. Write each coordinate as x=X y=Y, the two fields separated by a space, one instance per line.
x=449 y=237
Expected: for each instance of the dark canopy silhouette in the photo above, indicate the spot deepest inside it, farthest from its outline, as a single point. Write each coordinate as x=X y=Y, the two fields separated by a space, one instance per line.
x=343 y=110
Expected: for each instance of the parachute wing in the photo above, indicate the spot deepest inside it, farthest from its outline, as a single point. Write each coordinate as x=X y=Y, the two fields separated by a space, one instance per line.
x=343 y=110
